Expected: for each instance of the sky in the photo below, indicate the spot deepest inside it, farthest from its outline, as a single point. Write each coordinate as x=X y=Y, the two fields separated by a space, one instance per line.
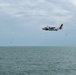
x=21 y=22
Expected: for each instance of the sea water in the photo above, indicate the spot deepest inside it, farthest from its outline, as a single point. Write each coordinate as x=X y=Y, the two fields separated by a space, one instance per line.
x=37 y=60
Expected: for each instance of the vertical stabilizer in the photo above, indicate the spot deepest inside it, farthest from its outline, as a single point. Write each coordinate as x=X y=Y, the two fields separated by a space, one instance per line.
x=61 y=26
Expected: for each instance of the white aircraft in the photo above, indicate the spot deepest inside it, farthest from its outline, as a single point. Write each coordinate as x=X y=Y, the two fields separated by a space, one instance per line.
x=47 y=28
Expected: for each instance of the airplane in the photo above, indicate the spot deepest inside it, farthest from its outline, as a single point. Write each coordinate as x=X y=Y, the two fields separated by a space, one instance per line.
x=48 y=28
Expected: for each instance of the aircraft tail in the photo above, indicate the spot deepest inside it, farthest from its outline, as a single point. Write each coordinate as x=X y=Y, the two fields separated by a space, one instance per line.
x=61 y=26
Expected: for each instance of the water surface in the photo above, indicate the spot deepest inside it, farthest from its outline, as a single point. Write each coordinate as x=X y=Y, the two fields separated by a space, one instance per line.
x=37 y=60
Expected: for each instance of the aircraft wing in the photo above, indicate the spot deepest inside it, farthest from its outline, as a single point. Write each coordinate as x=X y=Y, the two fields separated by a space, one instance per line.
x=52 y=27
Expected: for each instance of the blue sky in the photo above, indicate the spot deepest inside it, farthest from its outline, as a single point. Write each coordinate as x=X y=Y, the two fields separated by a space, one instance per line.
x=21 y=22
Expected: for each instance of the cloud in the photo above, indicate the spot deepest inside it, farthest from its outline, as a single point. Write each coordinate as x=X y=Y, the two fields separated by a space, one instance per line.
x=43 y=9
x=72 y=2
x=21 y=8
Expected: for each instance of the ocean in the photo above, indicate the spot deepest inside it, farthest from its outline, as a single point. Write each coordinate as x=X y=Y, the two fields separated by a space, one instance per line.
x=37 y=60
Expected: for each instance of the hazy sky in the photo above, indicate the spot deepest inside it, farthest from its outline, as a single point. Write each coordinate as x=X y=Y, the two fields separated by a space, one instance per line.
x=21 y=22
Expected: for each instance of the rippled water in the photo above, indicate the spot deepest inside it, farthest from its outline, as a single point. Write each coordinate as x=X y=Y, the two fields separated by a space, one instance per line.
x=37 y=61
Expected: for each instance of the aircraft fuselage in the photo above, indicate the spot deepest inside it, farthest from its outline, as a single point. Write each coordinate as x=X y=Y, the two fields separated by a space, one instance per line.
x=50 y=29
